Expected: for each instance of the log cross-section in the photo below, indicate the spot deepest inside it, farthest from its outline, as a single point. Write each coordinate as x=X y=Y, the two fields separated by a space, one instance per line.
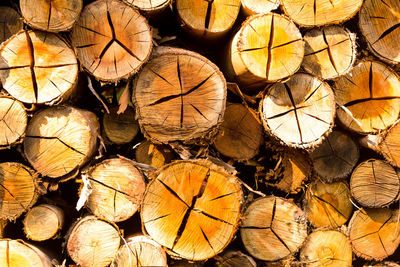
x=112 y=40
x=202 y=211
x=37 y=67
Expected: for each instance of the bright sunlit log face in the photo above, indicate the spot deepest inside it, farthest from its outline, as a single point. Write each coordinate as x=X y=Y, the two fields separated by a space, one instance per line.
x=192 y=208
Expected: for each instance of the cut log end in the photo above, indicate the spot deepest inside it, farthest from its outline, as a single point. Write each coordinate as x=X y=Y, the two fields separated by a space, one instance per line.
x=317 y=13
x=300 y=112
x=60 y=139
x=93 y=242
x=241 y=133
x=234 y=259
x=374 y=184
x=120 y=128
x=51 y=16
x=273 y=228
x=18 y=189
x=253 y=7
x=117 y=189
x=150 y=8
x=368 y=97
x=13 y=121
x=12 y=23
x=38 y=67
x=112 y=40
x=328 y=204
x=192 y=208
x=154 y=155
x=374 y=233
x=17 y=253
x=43 y=222
x=327 y=248
x=336 y=157
x=187 y=97
x=389 y=145
x=329 y=52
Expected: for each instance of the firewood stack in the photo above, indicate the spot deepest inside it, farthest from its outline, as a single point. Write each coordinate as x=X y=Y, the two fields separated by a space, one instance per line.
x=199 y=133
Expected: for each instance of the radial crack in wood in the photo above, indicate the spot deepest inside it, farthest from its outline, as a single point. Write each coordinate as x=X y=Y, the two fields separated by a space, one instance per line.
x=13 y=121
x=202 y=211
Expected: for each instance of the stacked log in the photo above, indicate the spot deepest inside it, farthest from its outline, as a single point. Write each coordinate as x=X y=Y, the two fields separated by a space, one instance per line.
x=199 y=133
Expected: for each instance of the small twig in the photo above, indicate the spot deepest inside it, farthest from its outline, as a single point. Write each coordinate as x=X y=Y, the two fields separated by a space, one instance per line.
x=348 y=112
x=96 y=95
x=251 y=189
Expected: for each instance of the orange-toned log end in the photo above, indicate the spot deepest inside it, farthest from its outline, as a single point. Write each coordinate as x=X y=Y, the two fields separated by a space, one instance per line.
x=253 y=7
x=60 y=139
x=112 y=40
x=10 y=22
x=327 y=248
x=18 y=189
x=120 y=128
x=154 y=155
x=43 y=222
x=299 y=112
x=310 y=13
x=207 y=19
x=13 y=121
x=117 y=189
x=179 y=95
x=374 y=233
x=150 y=8
x=267 y=48
x=17 y=253
x=241 y=133
x=38 y=67
x=328 y=204
x=93 y=242
x=140 y=251
x=192 y=208
x=292 y=173
x=389 y=145
x=368 y=97
x=336 y=157
x=51 y=16
x=273 y=228
x=329 y=52
x=374 y=183
x=378 y=22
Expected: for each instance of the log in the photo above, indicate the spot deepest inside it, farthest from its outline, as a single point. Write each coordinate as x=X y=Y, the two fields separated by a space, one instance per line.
x=208 y=20
x=112 y=40
x=235 y=258
x=253 y=7
x=299 y=112
x=273 y=228
x=140 y=251
x=374 y=233
x=336 y=157
x=60 y=139
x=13 y=121
x=11 y=22
x=121 y=128
x=267 y=48
x=386 y=143
x=93 y=242
x=383 y=264
x=368 y=97
x=18 y=189
x=38 y=67
x=117 y=189
x=43 y=222
x=150 y=9
x=192 y=208
x=179 y=95
x=17 y=253
x=378 y=22
x=317 y=13
x=374 y=184
x=51 y=16
x=327 y=248
x=154 y=155
x=241 y=133
x=328 y=204
x=329 y=52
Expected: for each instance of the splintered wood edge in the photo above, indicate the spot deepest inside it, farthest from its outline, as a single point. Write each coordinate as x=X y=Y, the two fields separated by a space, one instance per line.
x=309 y=146
x=210 y=135
x=213 y=167
x=148 y=11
